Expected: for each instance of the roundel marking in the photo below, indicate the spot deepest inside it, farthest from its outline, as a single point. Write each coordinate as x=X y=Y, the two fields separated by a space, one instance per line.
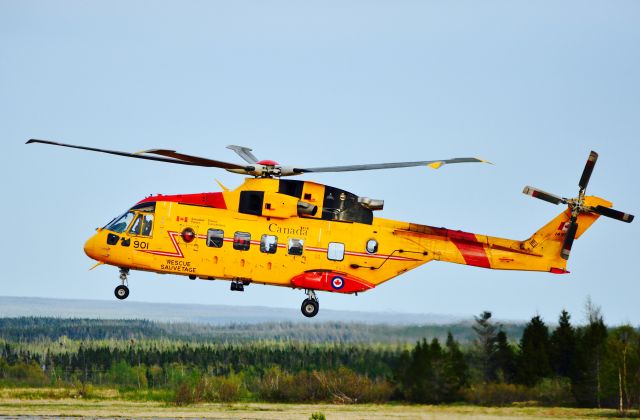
x=337 y=282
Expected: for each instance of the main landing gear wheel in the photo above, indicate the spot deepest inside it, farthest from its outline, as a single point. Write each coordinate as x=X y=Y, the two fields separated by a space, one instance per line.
x=121 y=292
x=310 y=308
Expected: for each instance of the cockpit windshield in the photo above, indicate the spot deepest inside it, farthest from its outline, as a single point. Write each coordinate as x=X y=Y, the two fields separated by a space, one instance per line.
x=143 y=224
x=119 y=224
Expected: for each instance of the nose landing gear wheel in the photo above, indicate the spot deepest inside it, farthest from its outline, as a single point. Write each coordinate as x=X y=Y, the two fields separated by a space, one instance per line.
x=310 y=308
x=121 y=292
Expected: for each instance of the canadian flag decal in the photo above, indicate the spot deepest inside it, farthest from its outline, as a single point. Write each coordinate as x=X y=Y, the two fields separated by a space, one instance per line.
x=182 y=219
x=564 y=226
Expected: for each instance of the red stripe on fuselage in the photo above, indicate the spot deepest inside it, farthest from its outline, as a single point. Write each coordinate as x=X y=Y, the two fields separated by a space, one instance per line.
x=215 y=200
x=473 y=252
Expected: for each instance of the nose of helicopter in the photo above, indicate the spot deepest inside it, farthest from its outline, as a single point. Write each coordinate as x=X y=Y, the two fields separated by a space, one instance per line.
x=90 y=247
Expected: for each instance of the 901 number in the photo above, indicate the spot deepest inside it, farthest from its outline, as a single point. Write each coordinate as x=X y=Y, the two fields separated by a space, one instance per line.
x=140 y=245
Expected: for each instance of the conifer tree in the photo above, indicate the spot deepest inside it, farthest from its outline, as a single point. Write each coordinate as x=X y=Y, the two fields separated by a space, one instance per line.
x=563 y=346
x=533 y=362
x=416 y=383
x=456 y=370
x=587 y=379
x=435 y=388
x=503 y=360
x=426 y=379
x=485 y=340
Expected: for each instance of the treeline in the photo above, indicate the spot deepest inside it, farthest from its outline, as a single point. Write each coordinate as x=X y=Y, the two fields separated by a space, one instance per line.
x=285 y=372
x=586 y=366
x=31 y=329
x=589 y=366
x=96 y=363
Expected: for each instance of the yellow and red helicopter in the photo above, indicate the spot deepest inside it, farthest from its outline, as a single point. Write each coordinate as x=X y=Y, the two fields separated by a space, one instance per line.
x=305 y=235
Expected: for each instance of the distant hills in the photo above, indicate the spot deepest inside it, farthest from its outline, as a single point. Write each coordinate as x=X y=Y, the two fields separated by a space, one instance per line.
x=11 y=307
x=26 y=319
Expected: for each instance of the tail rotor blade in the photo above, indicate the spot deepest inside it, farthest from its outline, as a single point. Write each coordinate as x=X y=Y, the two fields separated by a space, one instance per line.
x=588 y=169
x=569 y=238
x=542 y=195
x=612 y=213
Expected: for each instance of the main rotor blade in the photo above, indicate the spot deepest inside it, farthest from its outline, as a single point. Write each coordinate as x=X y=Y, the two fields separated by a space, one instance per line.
x=113 y=152
x=570 y=236
x=542 y=195
x=196 y=160
x=612 y=213
x=244 y=153
x=435 y=164
x=588 y=169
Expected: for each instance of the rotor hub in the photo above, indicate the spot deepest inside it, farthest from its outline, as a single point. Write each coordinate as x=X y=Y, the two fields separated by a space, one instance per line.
x=267 y=162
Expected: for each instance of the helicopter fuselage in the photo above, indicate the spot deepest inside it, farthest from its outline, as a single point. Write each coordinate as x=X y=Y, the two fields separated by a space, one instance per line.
x=299 y=234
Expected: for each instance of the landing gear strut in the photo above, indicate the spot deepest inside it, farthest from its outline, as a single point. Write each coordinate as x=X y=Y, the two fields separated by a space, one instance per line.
x=310 y=306
x=122 y=291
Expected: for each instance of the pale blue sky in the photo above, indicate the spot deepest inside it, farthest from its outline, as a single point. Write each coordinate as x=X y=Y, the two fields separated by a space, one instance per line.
x=532 y=86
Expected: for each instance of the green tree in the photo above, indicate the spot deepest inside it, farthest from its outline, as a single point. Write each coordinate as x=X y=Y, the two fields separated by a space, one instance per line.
x=620 y=378
x=590 y=351
x=563 y=346
x=436 y=376
x=121 y=373
x=533 y=361
x=485 y=340
x=416 y=379
x=503 y=360
x=456 y=371
x=425 y=378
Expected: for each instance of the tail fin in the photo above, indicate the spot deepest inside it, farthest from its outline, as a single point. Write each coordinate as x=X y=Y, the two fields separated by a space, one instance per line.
x=549 y=239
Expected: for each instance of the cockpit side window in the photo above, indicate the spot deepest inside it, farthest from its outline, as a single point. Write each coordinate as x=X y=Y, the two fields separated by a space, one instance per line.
x=143 y=225
x=120 y=224
x=147 y=224
x=136 y=226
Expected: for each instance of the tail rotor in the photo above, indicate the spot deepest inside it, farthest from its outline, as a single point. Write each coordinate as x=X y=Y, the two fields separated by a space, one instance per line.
x=577 y=205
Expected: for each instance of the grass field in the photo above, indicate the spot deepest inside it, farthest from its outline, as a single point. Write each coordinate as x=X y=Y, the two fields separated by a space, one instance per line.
x=50 y=402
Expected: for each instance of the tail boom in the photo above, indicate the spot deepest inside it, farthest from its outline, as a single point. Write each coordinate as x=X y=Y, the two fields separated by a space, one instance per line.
x=540 y=252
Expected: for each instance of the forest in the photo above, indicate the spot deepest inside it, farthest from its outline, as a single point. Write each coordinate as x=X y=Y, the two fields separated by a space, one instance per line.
x=483 y=362
x=31 y=329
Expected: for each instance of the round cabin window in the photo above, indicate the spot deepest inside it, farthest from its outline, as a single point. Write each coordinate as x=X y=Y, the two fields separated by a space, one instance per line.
x=372 y=246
